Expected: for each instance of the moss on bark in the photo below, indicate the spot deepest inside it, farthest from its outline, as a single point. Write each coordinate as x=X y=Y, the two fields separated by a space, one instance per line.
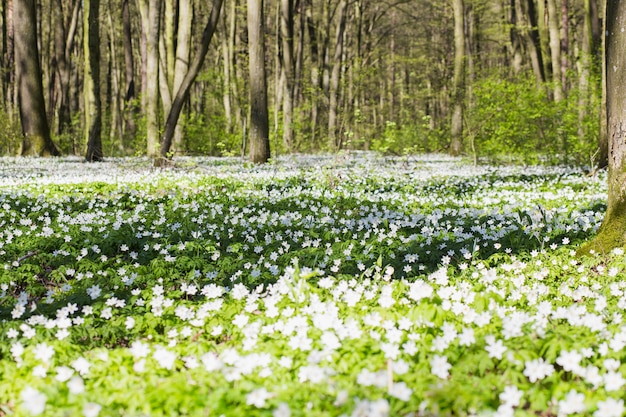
x=612 y=233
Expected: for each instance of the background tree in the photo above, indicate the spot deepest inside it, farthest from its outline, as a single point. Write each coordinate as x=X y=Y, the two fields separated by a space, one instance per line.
x=182 y=89
x=31 y=102
x=259 y=122
x=91 y=86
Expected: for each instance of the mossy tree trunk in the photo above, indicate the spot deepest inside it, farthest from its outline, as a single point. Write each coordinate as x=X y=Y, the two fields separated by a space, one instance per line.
x=36 y=141
x=612 y=233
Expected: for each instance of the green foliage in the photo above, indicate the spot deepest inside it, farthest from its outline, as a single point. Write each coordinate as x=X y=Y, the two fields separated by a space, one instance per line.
x=209 y=135
x=416 y=136
x=322 y=286
x=515 y=118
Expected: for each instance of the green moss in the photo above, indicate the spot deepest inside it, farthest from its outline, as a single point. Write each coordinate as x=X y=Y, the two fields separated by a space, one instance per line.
x=612 y=233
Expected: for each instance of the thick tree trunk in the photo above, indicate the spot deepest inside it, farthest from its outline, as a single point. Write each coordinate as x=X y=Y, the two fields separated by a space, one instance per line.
x=259 y=123
x=91 y=87
x=612 y=233
x=458 y=87
x=31 y=103
x=185 y=85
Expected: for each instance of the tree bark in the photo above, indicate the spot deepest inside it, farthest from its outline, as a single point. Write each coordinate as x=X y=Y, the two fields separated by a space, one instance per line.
x=181 y=65
x=130 y=107
x=151 y=21
x=36 y=140
x=603 y=138
x=335 y=77
x=555 y=50
x=458 y=82
x=259 y=122
x=183 y=90
x=287 y=34
x=65 y=29
x=91 y=86
x=612 y=233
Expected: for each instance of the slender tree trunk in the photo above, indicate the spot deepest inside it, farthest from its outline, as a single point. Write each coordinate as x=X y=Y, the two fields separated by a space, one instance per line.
x=115 y=100
x=93 y=108
x=530 y=33
x=185 y=85
x=458 y=87
x=315 y=69
x=555 y=50
x=543 y=35
x=30 y=96
x=151 y=21
x=564 y=44
x=65 y=28
x=335 y=77
x=287 y=33
x=516 y=35
x=181 y=66
x=130 y=107
x=226 y=63
x=259 y=123
x=603 y=139
x=9 y=76
x=585 y=68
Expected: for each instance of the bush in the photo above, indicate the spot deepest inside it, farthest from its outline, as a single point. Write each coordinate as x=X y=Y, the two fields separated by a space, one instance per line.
x=515 y=118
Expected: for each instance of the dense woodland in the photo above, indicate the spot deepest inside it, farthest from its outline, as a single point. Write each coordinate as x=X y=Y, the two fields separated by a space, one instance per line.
x=474 y=77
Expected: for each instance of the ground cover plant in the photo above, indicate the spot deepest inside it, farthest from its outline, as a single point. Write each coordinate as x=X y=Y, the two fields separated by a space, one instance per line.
x=314 y=286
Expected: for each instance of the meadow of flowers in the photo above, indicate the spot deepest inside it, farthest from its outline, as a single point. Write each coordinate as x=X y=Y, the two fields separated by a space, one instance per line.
x=350 y=285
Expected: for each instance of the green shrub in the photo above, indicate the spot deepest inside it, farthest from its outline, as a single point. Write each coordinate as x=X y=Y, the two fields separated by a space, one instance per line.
x=515 y=118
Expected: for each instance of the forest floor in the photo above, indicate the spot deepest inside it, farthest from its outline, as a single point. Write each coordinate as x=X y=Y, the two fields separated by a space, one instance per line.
x=355 y=285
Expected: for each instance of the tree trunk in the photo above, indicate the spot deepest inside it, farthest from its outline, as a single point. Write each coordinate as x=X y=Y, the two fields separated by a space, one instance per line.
x=30 y=96
x=181 y=66
x=585 y=69
x=555 y=49
x=612 y=233
x=458 y=87
x=603 y=138
x=287 y=33
x=9 y=62
x=516 y=35
x=93 y=108
x=531 y=37
x=151 y=30
x=65 y=29
x=259 y=123
x=335 y=78
x=130 y=107
x=114 y=99
x=226 y=63
x=185 y=85
x=564 y=44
